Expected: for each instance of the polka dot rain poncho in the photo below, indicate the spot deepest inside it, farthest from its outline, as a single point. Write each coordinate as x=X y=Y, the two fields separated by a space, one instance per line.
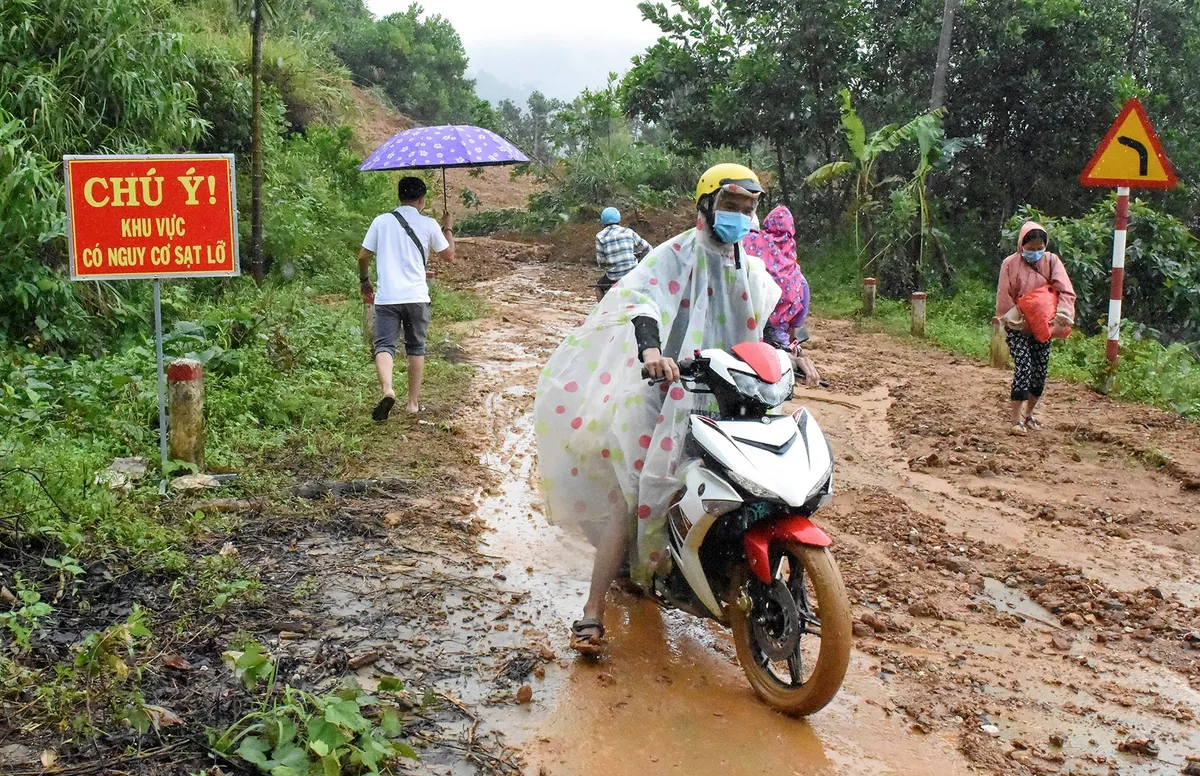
x=606 y=440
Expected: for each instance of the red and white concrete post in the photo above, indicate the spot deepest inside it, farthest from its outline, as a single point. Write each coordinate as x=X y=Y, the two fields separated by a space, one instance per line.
x=1117 y=293
x=185 y=397
x=868 y=306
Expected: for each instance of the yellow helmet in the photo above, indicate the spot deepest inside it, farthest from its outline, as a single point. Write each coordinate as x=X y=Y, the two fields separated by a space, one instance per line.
x=734 y=178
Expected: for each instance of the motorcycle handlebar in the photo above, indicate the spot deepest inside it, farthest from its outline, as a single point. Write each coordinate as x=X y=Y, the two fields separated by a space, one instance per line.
x=687 y=368
x=690 y=368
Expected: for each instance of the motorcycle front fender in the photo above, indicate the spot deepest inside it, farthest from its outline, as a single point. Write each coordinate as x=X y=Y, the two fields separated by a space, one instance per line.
x=758 y=540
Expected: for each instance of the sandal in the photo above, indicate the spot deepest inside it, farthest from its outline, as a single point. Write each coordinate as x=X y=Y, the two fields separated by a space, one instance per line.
x=420 y=409
x=1033 y=424
x=1018 y=430
x=584 y=636
x=383 y=409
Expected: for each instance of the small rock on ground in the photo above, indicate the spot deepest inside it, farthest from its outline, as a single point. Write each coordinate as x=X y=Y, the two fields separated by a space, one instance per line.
x=189 y=482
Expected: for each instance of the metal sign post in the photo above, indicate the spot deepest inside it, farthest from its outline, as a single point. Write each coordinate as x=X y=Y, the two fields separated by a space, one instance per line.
x=148 y=218
x=1129 y=156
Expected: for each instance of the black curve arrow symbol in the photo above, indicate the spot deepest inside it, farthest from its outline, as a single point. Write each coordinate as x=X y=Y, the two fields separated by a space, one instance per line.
x=1142 y=151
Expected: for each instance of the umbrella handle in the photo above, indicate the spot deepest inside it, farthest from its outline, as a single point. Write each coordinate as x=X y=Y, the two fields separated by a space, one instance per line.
x=445 y=204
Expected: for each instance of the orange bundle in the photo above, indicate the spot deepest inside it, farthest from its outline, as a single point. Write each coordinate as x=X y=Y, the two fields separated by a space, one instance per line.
x=1039 y=308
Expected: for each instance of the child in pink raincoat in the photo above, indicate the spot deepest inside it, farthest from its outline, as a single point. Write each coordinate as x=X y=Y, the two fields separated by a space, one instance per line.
x=775 y=244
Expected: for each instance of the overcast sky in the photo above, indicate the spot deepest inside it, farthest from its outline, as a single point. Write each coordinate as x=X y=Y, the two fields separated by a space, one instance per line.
x=558 y=46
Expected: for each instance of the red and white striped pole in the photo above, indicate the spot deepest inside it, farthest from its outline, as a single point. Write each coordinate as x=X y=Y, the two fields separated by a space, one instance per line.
x=1117 y=293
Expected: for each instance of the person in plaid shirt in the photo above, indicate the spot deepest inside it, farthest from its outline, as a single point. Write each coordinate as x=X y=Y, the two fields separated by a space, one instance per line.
x=618 y=250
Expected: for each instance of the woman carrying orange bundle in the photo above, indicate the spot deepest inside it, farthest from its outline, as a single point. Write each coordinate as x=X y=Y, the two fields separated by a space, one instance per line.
x=1035 y=301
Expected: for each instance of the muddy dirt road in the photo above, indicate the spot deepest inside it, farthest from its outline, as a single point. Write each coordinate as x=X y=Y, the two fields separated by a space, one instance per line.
x=1022 y=605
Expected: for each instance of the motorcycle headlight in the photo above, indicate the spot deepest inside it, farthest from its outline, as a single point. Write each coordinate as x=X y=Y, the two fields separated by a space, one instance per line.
x=820 y=495
x=770 y=394
x=753 y=488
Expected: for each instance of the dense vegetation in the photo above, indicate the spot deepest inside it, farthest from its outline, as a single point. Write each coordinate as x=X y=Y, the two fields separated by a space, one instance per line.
x=834 y=100
x=283 y=362
x=1031 y=88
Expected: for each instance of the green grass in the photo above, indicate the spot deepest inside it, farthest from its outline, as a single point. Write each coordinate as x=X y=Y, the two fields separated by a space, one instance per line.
x=283 y=368
x=288 y=389
x=289 y=382
x=959 y=321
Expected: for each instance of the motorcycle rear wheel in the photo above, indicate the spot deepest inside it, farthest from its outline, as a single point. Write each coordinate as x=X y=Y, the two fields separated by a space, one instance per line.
x=832 y=609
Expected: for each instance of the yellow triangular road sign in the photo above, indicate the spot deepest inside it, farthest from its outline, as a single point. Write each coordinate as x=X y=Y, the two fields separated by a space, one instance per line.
x=1130 y=155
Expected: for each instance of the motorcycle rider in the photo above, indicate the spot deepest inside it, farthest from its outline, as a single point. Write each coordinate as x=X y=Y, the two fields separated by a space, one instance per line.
x=609 y=445
x=618 y=250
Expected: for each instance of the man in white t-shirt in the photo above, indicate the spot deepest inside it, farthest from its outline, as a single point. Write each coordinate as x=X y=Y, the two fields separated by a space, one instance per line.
x=401 y=242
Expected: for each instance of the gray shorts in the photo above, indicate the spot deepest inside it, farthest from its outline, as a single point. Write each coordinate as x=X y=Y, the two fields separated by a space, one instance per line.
x=414 y=317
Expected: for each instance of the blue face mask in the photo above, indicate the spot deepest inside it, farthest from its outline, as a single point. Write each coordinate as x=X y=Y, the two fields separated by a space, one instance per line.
x=731 y=227
x=1033 y=257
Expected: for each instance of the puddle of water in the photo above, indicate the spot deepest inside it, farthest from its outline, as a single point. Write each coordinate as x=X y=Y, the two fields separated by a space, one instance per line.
x=664 y=701
x=1012 y=601
x=670 y=698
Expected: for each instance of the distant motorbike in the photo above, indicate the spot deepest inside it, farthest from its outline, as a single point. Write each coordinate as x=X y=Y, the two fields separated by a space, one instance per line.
x=743 y=549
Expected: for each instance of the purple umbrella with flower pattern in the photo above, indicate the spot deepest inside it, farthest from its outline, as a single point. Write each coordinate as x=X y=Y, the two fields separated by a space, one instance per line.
x=447 y=146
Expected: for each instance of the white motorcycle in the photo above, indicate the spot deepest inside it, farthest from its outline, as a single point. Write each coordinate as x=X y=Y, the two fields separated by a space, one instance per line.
x=743 y=548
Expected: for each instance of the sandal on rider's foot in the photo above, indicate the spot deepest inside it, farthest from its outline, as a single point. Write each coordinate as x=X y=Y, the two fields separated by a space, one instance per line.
x=1018 y=430
x=1033 y=424
x=383 y=409
x=587 y=636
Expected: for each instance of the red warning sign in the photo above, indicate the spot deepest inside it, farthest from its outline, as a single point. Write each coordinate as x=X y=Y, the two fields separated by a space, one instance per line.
x=1130 y=155
x=151 y=216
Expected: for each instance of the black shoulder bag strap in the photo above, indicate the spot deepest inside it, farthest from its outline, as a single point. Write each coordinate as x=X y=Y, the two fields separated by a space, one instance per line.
x=413 y=235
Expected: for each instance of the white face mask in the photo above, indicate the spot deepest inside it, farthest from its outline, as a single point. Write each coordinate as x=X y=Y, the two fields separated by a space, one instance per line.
x=754 y=225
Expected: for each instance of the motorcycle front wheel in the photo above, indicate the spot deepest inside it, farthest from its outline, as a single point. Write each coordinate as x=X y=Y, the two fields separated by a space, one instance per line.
x=807 y=598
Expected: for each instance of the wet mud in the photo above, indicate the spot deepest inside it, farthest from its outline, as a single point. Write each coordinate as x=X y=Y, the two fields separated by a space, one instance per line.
x=1021 y=606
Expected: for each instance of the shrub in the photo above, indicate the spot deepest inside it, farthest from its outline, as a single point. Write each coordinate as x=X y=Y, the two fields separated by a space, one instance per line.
x=1162 y=266
x=1166 y=376
x=75 y=77
x=620 y=172
x=487 y=222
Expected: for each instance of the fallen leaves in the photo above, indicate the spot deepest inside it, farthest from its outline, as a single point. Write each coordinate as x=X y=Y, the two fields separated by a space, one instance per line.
x=162 y=718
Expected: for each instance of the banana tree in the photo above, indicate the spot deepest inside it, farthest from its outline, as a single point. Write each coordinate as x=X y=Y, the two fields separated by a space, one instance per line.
x=866 y=151
x=933 y=148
